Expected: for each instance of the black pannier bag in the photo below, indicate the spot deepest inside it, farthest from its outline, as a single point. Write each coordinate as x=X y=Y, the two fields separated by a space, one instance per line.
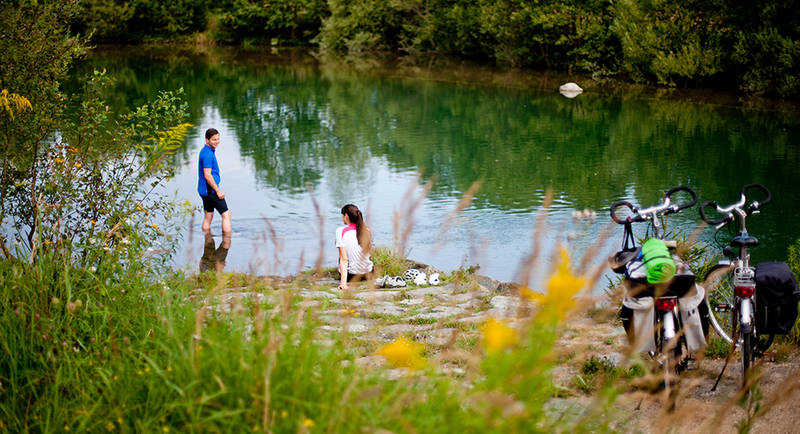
x=776 y=298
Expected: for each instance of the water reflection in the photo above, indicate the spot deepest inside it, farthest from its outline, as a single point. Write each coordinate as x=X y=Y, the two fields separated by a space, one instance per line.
x=354 y=136
x=214 y=257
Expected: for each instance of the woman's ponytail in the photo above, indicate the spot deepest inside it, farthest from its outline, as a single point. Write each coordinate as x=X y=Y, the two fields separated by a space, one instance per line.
x=355 y=216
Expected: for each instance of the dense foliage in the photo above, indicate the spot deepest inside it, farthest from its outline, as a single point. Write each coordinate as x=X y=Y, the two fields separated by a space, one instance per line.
x=753 y=47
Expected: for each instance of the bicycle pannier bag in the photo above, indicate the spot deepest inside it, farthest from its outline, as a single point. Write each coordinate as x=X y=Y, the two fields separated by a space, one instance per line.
x=777 y=295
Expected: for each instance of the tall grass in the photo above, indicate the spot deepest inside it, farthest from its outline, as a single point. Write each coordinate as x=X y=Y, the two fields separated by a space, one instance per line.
x=118 y=350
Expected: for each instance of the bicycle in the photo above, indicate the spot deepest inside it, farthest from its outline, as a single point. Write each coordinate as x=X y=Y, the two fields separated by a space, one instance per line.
x=731 y=285
x=668 y=344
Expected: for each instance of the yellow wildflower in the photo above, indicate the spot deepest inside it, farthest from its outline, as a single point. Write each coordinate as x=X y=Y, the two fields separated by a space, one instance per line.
x=78 y=165
x=139 y=372
x=58 y=160
x=402 y=353
x=164 y=429
x=110 y=426
x=119 y=420
x=169 y=368
x=308 y=423
x=284 y=414
x=561 y=289
x=147 y=369
x=10 y=101
x=72 y=149
x=66 y=427
x=497 y=336
x=92 y=222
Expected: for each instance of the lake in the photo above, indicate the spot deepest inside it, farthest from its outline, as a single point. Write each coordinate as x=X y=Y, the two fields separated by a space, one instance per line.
x=301 y=137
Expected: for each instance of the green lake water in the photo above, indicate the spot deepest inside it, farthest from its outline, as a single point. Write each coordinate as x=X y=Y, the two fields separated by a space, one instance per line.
x=296 y=132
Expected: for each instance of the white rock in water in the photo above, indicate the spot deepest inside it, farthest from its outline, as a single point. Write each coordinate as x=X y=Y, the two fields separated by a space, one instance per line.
x=570 y=87
x=570 y=90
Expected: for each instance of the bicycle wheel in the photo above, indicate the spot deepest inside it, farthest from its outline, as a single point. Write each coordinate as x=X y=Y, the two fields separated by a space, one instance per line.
x=718 y=284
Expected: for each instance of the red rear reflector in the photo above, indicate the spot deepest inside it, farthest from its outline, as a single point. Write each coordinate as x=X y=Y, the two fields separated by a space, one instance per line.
x=666 y=304
x=744 y=291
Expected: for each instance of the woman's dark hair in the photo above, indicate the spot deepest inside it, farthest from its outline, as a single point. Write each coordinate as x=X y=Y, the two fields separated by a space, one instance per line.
x=211 y=132
x=354 y=214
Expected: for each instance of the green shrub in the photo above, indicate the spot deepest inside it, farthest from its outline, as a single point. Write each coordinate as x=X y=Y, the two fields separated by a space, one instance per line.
x=282 y=22
x=794 y=263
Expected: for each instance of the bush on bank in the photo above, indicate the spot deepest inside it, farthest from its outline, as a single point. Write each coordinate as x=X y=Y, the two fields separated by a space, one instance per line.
x=753 y=48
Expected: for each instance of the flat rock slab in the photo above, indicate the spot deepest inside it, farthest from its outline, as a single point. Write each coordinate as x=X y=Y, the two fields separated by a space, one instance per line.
x=395 y=330
x=439 y=312
x=383 y=308
x=439 y=337
x=412 y=301
x=432 y=290
x=317 y=294
x=372 y=296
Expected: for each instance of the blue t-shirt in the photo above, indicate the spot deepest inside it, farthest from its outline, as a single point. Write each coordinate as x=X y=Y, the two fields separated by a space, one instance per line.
x=208 y=159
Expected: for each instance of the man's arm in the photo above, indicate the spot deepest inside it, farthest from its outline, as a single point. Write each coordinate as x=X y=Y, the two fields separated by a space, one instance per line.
x=211 y=183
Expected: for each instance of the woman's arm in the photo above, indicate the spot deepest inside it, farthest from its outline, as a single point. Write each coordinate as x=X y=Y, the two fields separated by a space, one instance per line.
x=343 y=268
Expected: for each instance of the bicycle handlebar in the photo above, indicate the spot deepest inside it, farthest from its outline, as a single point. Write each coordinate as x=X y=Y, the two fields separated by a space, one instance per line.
x=676 y=207
x=724 y=219
x=756 y=204
x=738 y=206
x=618 y=204
x=649 y=212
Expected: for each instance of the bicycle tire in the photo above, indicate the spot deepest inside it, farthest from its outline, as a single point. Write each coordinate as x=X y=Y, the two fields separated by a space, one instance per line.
x=718 y=283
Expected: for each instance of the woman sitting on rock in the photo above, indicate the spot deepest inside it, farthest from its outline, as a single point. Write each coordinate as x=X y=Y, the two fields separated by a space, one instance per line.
x=353 y=240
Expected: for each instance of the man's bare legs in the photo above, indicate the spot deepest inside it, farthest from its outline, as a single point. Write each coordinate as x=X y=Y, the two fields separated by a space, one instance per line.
x=207 y=221
x=226 y=222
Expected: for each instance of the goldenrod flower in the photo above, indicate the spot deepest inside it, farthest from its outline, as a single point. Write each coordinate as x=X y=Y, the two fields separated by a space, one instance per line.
x=497 y=336
x=402 y=353
x=308 y=423
x=10 y=101
x=561 y=289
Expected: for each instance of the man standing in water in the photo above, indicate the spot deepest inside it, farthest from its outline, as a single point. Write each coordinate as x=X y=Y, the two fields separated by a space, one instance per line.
x=208 y=184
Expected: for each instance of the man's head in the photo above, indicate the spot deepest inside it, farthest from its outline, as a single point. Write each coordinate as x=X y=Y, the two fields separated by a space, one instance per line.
x=212 y=138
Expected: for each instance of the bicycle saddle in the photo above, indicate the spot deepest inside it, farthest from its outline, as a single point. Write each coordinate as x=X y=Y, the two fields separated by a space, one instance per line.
x=744 y=241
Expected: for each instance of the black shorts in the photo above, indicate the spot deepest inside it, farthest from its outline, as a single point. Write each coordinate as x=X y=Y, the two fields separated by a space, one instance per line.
x=212 y=202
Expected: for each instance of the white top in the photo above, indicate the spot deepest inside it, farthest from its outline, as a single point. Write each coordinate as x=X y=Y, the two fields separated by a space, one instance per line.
x=357 y=261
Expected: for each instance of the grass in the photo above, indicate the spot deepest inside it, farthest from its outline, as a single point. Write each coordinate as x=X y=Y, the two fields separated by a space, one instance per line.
x=100 y=352
x=388 y=262
x=123 y=350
